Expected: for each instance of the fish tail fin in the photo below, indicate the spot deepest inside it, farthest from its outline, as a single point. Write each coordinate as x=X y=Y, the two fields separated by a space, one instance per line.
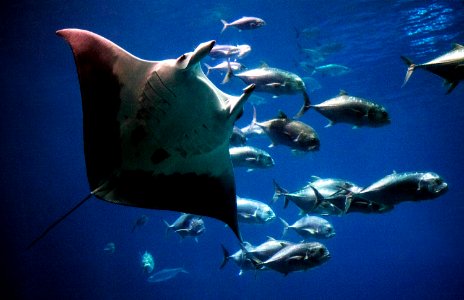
x=286 y=226
x=278 y=192
x=208 y=69
x=225 y=25
x=229 y=73
x=306 y=105
x=225 y=255
x=58 y=221
x=168 y=227
x=450 y=85
x=411 y=67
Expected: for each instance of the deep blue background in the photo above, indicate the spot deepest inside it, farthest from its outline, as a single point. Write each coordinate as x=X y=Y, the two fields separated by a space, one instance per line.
x=412 y=252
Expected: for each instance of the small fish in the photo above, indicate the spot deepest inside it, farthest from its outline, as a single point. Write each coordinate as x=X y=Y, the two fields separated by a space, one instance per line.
x=299 y=136
x=254 y=212
x=310 y=227
x=327 y=70
x=165 y=274
x=187 y=225
x=294 y=258
x=109 y=248
x=408 y=186
x=274 y=81
x=142 y=220
x=356 y=111
x=222 y=67
x=244 y=23
x=250 y=157
x=148 y=263
x=449 y=66
x=229 y=51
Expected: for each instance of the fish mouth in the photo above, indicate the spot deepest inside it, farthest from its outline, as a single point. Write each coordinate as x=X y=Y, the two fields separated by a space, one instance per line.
x=439 y=189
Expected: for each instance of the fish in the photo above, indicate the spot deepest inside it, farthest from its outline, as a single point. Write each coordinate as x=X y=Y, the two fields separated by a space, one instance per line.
x=147 y=262
x=323 y=196
x=230 y=51
x=310 y=227
x=268 y=248
x=254 y=212
x=142 y=220
x=222 y=67
x=295 y=258
x=328 y=70
x=297 y=135
x=356 y=111
x=143 y=136
x=109 y=248
x=187 y=225
x=274 y=81
x=449 y=66
x=400 y=187
x=244 y=23
x=250 y=157
x=238 y=138
x=165 y=274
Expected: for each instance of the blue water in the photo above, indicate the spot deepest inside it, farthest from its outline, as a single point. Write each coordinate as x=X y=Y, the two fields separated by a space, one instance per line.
x=413 y=252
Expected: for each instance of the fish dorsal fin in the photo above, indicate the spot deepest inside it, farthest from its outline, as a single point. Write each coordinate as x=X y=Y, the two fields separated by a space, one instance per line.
x=263 y=64
x=281 y=115
x=457 y=46
x=270 y=238
x=343 y=93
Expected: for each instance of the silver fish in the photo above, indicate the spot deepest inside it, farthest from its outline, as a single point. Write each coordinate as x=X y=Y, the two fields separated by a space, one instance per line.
x=187 y=225
x=229 y=51
x=250 y=157
x=329 y=70
x=449 y=66
x=147 y=262
x=310 y=227
x=399 y=187
x=274 y=81
x=244 y=23
x=222 y=67
x=356 y=111
x=165 y=274
x=253 y=211
x=299 y=136
x=296 y=257
x=142 y=220
x=110 y=248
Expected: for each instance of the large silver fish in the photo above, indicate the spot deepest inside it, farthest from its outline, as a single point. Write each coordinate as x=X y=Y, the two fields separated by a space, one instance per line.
x=187 y=225
x=274 y=81
x=250 y=157
x=244 y=23
x=254 y=212
x=296 y=257
x=145 y=137
x=399 y=187
x=449 y=66
x=355 y=111
x=310 y=227
x=297 y=135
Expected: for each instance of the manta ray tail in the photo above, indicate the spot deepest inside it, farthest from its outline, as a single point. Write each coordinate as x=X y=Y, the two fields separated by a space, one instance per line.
x=58 y=221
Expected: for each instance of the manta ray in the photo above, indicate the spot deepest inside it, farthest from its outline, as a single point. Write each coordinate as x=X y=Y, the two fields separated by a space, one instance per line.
x=156 y=133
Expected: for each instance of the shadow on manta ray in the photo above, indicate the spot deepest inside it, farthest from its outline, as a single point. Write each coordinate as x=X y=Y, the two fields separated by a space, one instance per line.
x=154 y=127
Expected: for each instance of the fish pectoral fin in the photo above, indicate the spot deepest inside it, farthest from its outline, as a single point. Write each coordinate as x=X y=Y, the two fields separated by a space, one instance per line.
x=310 y=230
x=295 y=258
x=251 y=159
x=275 y=84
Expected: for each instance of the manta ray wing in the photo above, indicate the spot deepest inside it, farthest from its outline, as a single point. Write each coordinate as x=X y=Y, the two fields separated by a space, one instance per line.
x=156 y=132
